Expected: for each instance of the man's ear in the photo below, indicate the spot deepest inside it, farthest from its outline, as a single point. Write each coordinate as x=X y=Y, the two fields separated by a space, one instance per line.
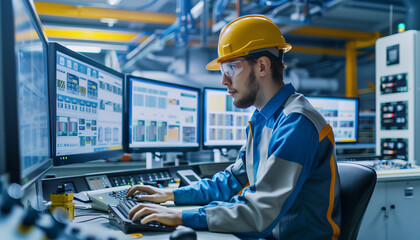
x=264 y=66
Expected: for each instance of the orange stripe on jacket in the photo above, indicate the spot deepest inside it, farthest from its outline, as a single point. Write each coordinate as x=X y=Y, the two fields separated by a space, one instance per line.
x=327 y=132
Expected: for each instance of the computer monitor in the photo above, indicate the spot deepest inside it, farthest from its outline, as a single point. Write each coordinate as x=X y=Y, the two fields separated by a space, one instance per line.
x=162 y=116
x=25 y=93
x=341 y=113
x=224 y=124
x=86 y=106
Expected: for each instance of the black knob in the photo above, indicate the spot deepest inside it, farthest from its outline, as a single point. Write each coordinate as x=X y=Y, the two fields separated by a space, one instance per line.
x=184 y=233
x=75 y=230
x=51 y=227
x=392 y=206
x=30 y=217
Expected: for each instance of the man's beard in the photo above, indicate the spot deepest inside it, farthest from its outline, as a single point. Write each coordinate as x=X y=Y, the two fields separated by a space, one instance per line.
x=249 y=97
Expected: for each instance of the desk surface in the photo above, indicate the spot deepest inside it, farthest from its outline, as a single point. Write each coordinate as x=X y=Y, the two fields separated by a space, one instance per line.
x=101 y=219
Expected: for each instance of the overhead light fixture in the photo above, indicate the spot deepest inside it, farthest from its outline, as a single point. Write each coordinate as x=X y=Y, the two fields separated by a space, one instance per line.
x=113 y=2
x=85 y=49
x=109 y=21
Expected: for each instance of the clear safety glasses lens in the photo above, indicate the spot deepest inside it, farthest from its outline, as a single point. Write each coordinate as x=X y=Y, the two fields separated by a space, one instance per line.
x=231 y=69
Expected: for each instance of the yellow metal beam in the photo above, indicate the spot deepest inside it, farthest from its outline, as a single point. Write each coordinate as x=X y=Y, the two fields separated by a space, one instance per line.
x=315 y=50
x=351 y=69
x=333 y=33
x=368 y=42
x=64 y=10
x=365 y=91
x=88 y=34
x=91 y=35
x=124 y=37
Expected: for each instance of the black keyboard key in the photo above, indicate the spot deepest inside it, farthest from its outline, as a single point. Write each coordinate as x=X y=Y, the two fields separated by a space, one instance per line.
x=122 y=212
x=131 y=203
x=125 y=208
x=129 y=226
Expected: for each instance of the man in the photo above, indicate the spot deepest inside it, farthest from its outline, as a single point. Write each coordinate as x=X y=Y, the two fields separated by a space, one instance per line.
x=284 y=183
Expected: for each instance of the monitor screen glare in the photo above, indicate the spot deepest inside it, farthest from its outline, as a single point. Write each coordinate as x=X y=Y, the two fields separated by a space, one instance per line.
x=162 y=115
x=224 y=124
x=89 y=108
x=341 y=114
x=32 y=87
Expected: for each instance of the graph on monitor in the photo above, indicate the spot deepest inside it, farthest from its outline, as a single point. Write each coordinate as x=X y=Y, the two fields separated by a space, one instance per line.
x=162 y=116
x=341 y=113
x=224 y=124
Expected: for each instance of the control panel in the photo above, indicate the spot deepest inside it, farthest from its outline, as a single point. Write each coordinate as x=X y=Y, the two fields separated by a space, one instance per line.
x=394 y=148
x=390 y=166
x=158 y=177
x=394 y=115
x=394 y=83
x=398 y=96
x=153 y=178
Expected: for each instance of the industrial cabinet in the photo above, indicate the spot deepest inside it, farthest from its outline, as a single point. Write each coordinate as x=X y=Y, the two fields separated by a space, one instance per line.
x=393 y=212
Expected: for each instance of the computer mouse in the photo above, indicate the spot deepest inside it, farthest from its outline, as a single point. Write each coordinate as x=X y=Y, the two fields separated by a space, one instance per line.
x=184 y=233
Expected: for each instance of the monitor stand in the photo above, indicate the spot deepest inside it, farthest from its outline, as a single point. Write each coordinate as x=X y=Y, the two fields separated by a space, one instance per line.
x=154 y=160
x=33 y=196
x=220 y=155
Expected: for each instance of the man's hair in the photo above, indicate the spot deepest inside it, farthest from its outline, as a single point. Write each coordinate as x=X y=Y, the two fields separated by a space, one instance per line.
x=277 y=65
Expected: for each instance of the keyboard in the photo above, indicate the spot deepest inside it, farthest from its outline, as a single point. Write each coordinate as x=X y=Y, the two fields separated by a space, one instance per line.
x=108 y=196
x=119 y=218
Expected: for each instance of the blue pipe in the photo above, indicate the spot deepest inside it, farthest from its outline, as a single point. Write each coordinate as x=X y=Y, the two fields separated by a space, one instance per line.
x=413 y=13
x=275 y=3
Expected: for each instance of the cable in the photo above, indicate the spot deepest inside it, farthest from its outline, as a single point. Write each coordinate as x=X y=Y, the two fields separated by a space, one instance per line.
x=88 y=220
x=90 y=214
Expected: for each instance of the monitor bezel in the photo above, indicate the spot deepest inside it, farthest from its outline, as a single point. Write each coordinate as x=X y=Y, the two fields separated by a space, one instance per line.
x=12 y=120
x=53 y=47
x=203 y=134
x=160 y=148
x=357 y=115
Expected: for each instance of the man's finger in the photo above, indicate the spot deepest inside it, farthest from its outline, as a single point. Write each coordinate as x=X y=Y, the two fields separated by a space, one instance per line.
x=146 y=198
x=143 y=211
x=133 y=190
x=149 y=218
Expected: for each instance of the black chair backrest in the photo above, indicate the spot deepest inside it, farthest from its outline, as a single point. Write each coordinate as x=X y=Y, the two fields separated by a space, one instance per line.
x=357 y=185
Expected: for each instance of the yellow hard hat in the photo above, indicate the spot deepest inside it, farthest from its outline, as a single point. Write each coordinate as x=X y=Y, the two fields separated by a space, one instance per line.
x=245 y=34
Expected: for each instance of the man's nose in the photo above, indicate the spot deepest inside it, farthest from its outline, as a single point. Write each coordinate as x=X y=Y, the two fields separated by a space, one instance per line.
x=226 y=81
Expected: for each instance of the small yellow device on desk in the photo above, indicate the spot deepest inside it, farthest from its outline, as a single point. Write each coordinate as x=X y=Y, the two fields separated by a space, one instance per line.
x=63 y=200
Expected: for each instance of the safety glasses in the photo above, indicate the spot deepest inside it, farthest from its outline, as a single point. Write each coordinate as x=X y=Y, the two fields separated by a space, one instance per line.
x=232 y=69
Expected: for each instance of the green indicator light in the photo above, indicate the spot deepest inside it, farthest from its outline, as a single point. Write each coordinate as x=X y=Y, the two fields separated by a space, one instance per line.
x=401 y=27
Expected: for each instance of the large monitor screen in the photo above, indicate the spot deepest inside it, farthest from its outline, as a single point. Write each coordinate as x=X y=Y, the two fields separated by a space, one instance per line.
x=224 y=124
x=162 y=116
x=341 y=113
x=31 y=92
x=88 y=104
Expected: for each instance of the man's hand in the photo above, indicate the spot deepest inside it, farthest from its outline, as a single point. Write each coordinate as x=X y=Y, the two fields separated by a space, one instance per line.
x=156 y=212
x=155 y=195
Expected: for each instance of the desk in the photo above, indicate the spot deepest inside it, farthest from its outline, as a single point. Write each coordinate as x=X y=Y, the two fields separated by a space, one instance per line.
x=91 y=213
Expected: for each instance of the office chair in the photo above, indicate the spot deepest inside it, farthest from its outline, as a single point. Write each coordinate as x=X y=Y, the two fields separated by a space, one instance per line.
x=357 y=184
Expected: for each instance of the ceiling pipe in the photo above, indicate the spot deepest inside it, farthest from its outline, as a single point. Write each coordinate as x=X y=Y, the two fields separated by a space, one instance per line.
x=178 y=31
x=204 y=27
x=238 y=8
x=413 y=13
